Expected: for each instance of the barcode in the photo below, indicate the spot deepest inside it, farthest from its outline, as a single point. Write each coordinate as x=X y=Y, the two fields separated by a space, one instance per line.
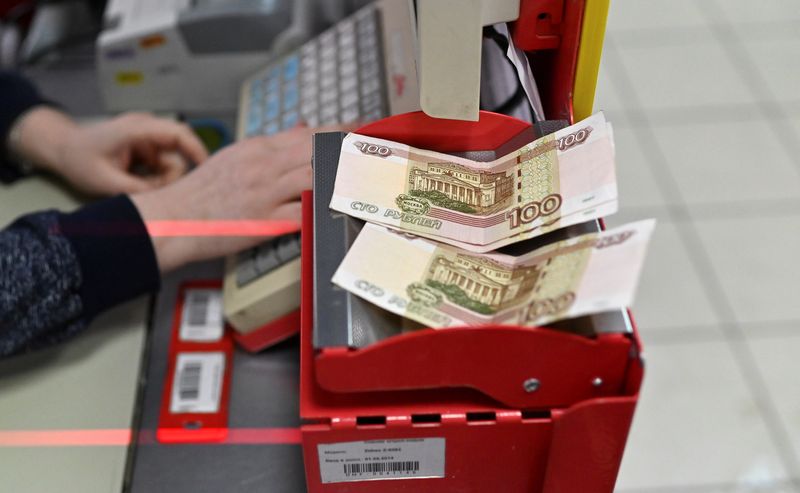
x=189 y=381
x=198 y=308
x=376 y=468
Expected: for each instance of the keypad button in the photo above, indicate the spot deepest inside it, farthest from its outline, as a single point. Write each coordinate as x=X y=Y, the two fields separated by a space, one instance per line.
x=367 y=57
x=350 y=114
x=246 y=268
x=349 y=98
x=348 y=84
x=255 y=90
x=267 y=258
x=373 y=115
x=290 y=68
x=273 y=107
x=290 y=97
x=312 y=120
x=308 y=90
x=369 y=86
x=371 y=103
x=309 y=49
x=368 y=71
x=328 y=67
x=308 y=79
x=328 y=97
x=288 y=248
x=346 y=26
x=272 y=128
x=253 y=126
x=328 y=114
x=327 y=39
x=308 y=107
x=347 y=68
x=272 y=85
x=290 y=120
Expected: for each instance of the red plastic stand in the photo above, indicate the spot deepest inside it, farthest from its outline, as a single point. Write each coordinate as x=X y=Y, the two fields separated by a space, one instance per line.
x=270 y=334
x=467 y=385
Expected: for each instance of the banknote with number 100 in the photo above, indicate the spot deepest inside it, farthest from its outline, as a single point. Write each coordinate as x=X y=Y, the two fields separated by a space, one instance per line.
x=558 y=180
x=441 y=286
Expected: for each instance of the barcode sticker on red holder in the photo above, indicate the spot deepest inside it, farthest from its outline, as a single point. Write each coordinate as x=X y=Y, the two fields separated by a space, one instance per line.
x=202 y=320
x=197 y=384
x=405 y=458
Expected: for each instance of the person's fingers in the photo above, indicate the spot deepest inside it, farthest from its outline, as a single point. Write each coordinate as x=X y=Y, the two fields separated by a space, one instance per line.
x=301 y=135
x=117 y=181
x=292 y=183
x=168 y=134
x=168 y=167
x=290 y=211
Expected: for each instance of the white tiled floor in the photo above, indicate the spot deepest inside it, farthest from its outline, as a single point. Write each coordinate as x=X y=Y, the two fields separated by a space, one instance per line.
x=705 y=99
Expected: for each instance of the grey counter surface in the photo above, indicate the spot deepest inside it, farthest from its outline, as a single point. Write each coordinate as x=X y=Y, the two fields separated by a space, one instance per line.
x=264 y=394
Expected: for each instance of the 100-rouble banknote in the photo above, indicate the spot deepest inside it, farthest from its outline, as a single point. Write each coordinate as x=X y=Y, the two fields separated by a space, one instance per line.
x=558 y=180
x=441 y=286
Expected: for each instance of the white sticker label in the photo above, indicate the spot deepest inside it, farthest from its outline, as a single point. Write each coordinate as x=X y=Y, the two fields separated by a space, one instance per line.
x=201 y=320
x=197 y=383
x=406 y=458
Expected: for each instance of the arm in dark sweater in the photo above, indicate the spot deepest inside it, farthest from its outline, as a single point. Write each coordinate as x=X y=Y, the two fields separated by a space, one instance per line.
x=57 y=271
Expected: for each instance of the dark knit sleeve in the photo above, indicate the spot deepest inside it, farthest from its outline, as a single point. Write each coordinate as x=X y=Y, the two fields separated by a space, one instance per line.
x=58 y=271
x=17 y=95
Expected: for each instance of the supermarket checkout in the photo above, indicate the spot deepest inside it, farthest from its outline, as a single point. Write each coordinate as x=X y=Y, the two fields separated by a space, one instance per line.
x=59 y=270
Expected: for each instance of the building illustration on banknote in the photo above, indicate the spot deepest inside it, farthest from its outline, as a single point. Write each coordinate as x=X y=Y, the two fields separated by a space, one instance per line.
x=481 y=284
x=460 y=188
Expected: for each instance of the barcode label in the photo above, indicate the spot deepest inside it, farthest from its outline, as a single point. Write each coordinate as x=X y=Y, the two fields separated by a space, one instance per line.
x=382 y=459
x=197 y=382
x=376 y=468
x=201 y=320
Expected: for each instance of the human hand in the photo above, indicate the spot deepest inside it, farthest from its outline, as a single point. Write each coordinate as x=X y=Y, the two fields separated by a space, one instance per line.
x=260 y=178
x=97 y=158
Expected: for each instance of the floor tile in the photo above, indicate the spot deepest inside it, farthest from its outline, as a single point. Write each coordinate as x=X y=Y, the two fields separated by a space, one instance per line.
x=637 y=185
x=670 y=293
x=777 y=360
x=719 y=162
x=755 y=260
x=772 y=59
x=748 y=11
x=697 y=424
x=682 y=70
x=780 y=488
x=645 y=14
x=607 y=95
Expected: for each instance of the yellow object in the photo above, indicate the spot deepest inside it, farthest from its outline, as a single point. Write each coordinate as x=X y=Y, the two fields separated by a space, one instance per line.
x=589 y=52
x=129 y=78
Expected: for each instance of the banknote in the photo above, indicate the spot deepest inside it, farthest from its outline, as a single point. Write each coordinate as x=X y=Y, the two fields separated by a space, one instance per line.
x=555 y=181
x=441 y=286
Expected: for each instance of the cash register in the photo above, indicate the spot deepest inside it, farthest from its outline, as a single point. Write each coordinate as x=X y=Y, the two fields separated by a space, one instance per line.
x=361 y=69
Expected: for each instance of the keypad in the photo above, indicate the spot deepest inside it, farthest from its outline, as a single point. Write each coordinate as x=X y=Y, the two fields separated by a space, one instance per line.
x=336 y=78
x=265 y=258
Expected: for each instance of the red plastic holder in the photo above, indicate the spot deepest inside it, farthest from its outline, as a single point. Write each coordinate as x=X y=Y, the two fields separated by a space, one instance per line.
x=194 y=404
x=470 y=409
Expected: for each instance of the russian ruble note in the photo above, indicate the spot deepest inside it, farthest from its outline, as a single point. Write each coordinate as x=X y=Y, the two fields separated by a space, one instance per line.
x=558 y=180
x=441 y=286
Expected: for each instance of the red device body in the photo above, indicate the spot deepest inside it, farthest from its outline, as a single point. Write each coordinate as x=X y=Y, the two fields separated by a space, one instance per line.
x=465 y=385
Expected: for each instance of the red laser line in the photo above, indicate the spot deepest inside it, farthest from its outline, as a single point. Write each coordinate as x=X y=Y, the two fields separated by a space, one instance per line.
x=122 y=437
x=221 y=228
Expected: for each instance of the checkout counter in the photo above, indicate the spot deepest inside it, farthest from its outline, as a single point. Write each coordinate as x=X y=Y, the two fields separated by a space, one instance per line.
x=82 y=416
